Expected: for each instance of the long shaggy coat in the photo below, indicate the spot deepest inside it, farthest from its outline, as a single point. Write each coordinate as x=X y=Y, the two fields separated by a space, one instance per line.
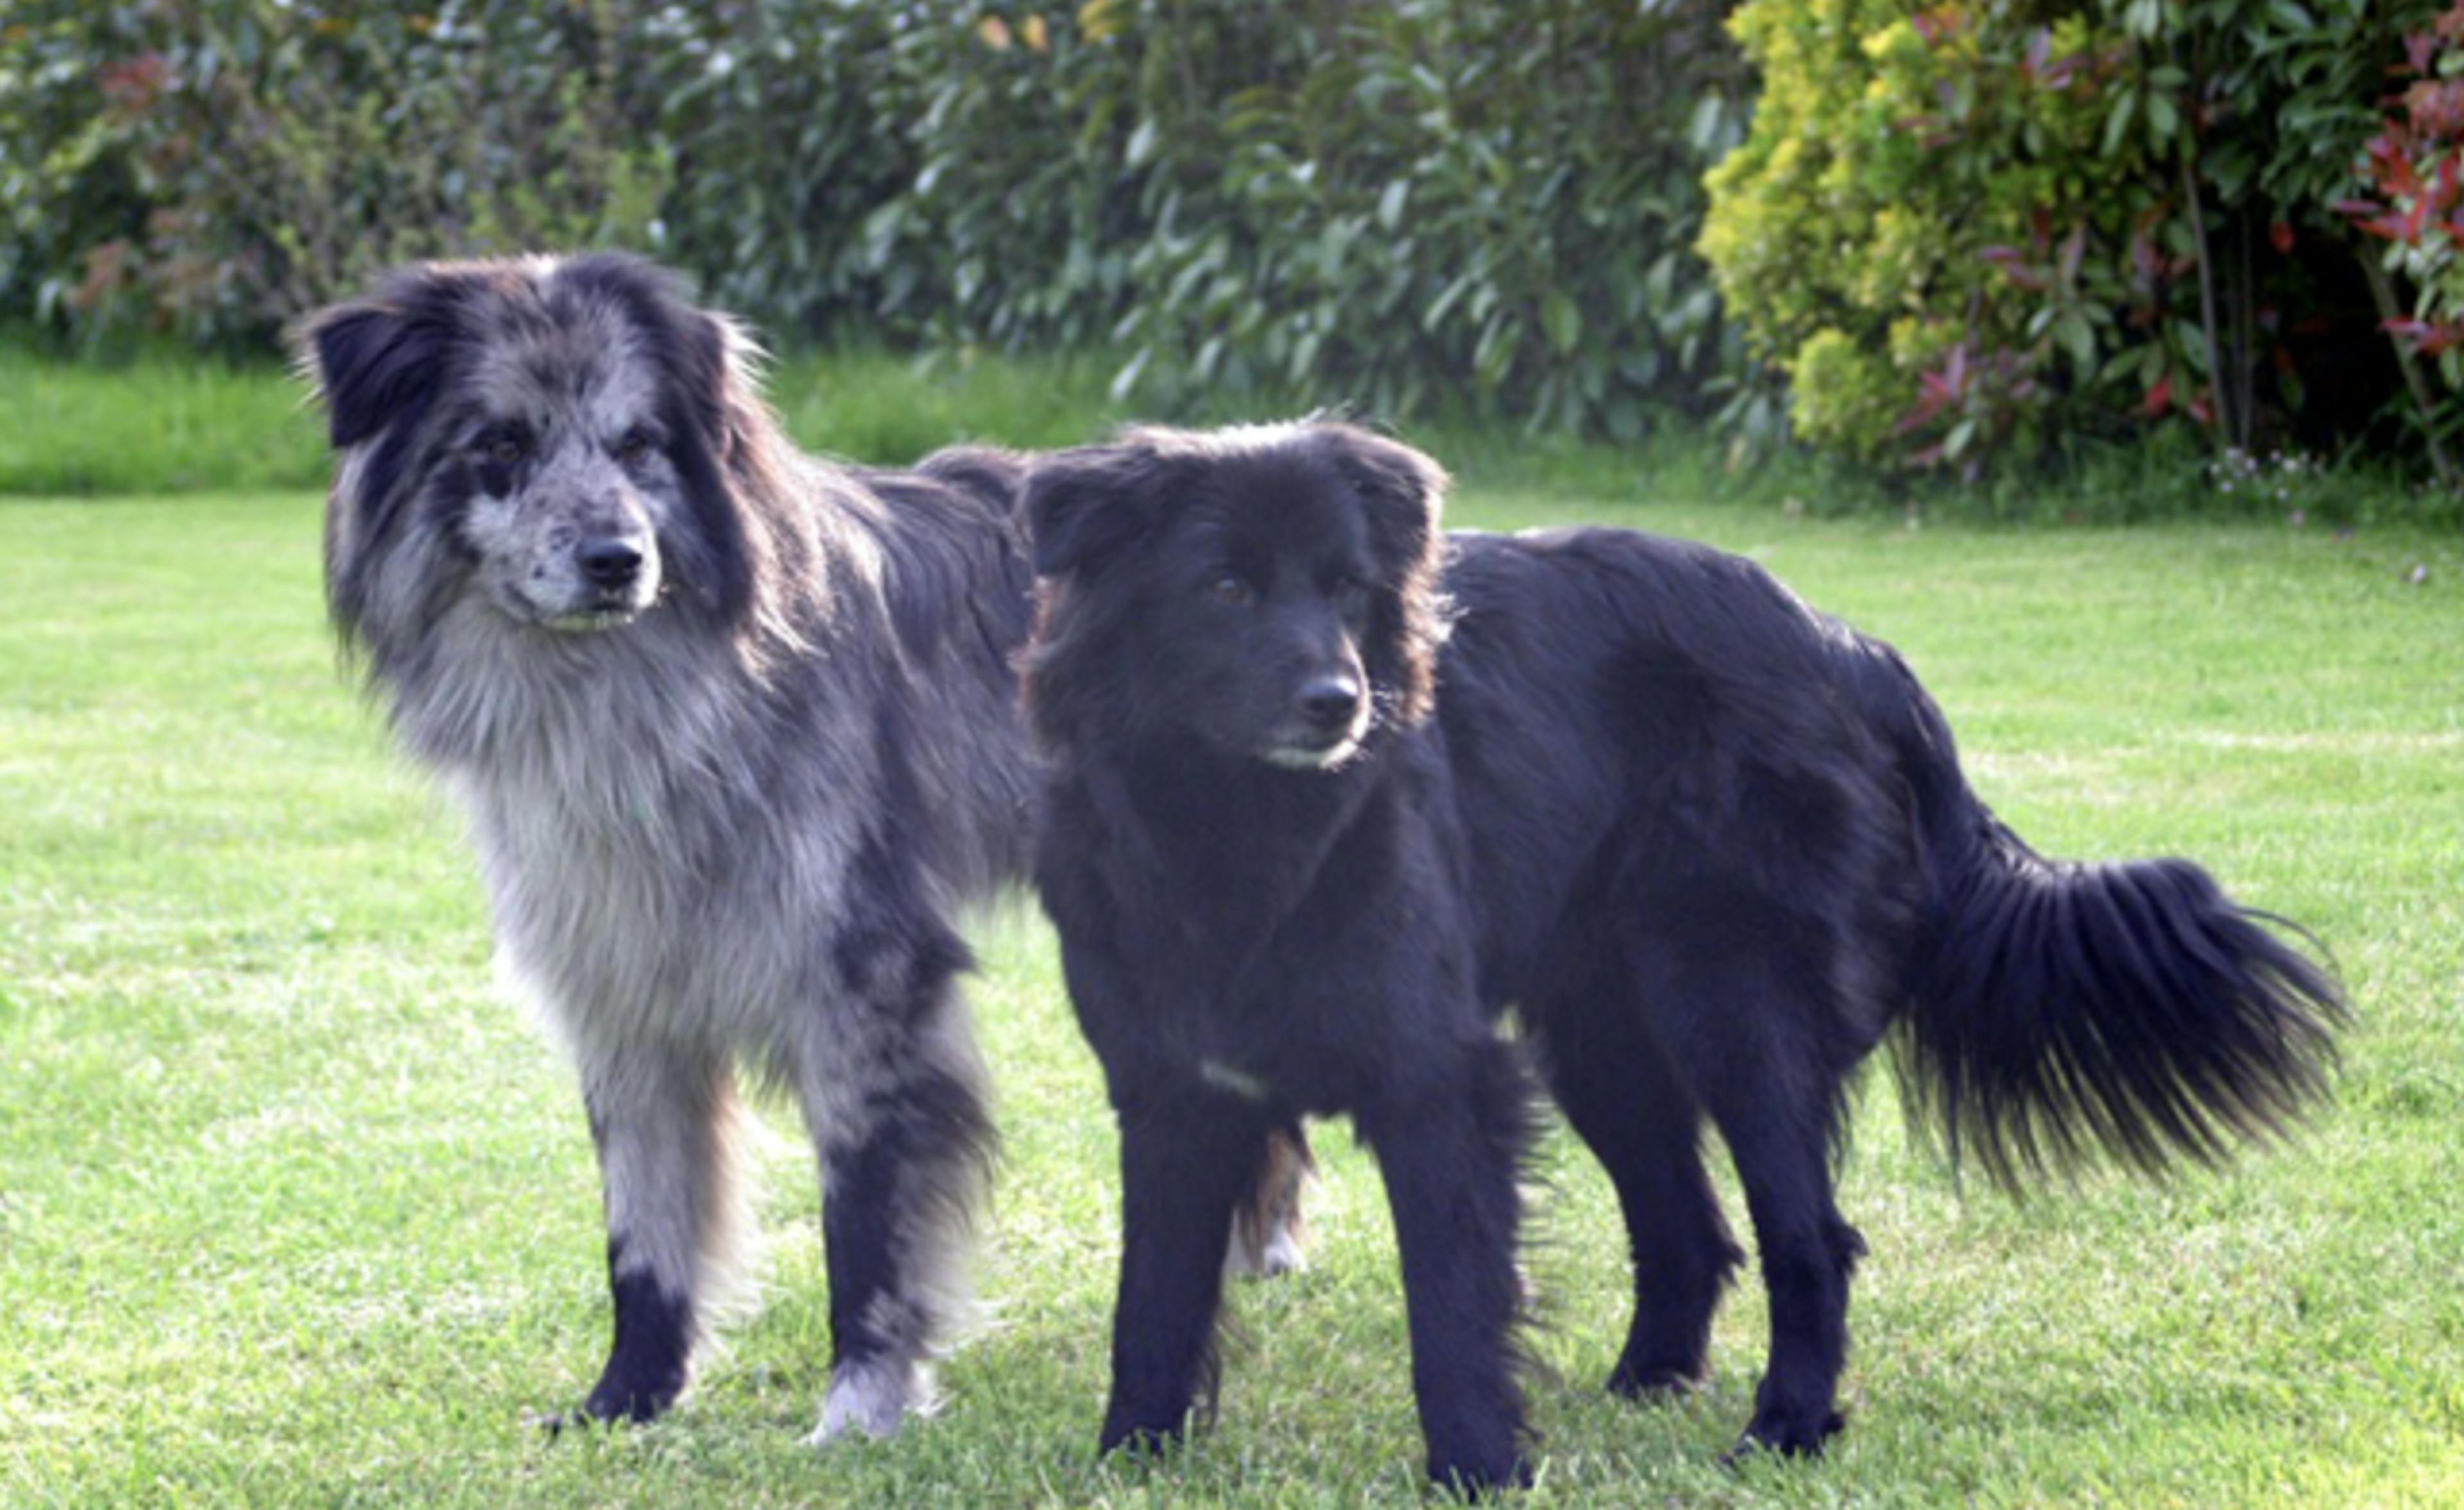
x=733 y=729
x=1329 y=790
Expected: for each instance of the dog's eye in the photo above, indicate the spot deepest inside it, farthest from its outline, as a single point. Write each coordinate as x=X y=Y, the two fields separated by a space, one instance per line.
x=633 y=448
x=1232 y=591
x=502 y=449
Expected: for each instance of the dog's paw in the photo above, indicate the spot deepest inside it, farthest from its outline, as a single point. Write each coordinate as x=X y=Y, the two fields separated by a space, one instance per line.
x=872 y=1398
x=581 y=1419
x=1654 y=1383
x=1480 y=1481
x=1770 y=1431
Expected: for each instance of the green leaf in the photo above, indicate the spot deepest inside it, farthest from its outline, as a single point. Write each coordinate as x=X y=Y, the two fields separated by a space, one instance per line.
x=2163 y=117
x=1561 y=320
x=1390 y=205
x=2077 y=337
x=2117 y=121
x=1125 y=382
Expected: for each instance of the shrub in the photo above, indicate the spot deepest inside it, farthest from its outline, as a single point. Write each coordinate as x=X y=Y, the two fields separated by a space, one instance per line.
x=1462 y=204
x=1498 y=200
x=2414 y=169
x=284 y=151
x=1967 y=228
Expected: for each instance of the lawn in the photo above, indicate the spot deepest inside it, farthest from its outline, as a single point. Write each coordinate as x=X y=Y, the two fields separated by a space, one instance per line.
x=295 y=1208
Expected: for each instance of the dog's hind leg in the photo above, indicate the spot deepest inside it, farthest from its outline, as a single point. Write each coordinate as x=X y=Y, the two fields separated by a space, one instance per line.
x=903 y=1171
x=1749 y=1033
x=1630 y=1105
x=663 y=1124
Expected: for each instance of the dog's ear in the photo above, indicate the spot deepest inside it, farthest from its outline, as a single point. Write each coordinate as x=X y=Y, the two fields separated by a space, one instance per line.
x=1081 y=507
x=1405 y=492
x=378 y=363
x=378 y=360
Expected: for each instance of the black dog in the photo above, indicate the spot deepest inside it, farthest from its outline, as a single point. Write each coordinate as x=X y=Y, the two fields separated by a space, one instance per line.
x=1711 y=843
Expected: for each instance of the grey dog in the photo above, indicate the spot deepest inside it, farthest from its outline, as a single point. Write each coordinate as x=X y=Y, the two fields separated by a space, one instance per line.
x=735 y=729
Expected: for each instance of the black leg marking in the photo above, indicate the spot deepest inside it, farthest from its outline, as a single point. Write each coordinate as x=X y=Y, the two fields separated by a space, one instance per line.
x=898 y=1208
x=660 y=1127
x=645 y=1368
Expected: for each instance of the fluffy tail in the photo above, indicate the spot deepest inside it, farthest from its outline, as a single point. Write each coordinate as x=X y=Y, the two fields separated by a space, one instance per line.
x=2136 y=1007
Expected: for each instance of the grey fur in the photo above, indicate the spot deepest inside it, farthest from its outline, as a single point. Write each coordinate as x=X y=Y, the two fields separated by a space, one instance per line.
x=725 y=814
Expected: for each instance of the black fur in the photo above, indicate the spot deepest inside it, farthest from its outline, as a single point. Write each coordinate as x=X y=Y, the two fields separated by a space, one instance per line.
x=1245 y=943
x=1714 y=845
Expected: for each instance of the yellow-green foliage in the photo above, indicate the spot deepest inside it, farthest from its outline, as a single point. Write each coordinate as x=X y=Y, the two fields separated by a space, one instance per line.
x=1893 y=145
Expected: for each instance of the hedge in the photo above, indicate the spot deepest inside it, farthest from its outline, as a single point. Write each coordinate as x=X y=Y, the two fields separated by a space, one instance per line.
x=1951 y=234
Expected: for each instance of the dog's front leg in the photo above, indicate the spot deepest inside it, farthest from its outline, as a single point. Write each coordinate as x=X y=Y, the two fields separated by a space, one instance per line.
x=661 y=1123
x=906 y=1147
x=1450 y=1151
x=1187 y=1158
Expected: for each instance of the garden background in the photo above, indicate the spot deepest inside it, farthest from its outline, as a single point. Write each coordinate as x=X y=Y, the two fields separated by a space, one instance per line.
x=2103 y=355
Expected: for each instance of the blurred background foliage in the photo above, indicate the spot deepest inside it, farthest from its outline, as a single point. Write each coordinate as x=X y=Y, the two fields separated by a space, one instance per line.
x=1953 y=235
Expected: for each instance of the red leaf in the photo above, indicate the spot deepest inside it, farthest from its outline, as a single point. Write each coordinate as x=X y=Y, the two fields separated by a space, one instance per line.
x=1937 y=398
x=2279 y=236
x=2437 y=339
x=2400 y=176
x=2143 y=258
x=2159 y=398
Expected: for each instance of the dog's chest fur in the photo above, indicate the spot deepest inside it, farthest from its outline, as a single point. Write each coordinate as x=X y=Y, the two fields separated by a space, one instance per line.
x=1270 y=923
x=632 y=900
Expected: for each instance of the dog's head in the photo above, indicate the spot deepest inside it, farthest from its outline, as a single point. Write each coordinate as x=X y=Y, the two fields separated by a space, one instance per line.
x=552 y=438
x=1271 y=590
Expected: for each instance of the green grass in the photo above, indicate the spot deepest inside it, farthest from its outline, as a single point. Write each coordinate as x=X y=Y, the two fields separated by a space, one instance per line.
x=296 y=1212
x=159 y=424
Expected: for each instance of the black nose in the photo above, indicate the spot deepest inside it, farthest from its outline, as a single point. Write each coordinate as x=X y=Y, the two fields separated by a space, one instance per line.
x=1329 y=702
x=609 y=561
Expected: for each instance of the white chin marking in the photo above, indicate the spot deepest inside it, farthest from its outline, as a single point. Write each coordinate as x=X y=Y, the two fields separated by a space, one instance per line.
x=592 y=623
x=1296 y=757
x=871 y=1399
